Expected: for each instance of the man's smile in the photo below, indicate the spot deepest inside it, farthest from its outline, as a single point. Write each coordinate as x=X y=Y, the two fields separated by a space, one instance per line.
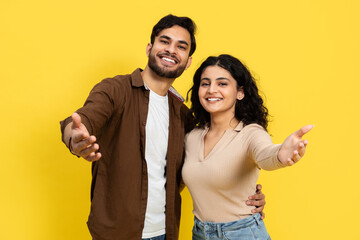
x=169 y=59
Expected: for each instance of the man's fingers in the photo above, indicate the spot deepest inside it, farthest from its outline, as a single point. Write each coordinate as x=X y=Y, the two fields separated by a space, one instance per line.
x=262 y=215
x=257 y=200
x=258 y=196
x=82 y=144
x=89 y=150
x=78 y=146
x=257 y=210
x=257 y=203
x=79 y=136
x=93 y=157
x=76 y=120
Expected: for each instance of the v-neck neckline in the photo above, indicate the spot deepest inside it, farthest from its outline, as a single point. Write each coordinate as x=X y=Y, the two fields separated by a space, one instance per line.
x=202 y=152
x=203 y=158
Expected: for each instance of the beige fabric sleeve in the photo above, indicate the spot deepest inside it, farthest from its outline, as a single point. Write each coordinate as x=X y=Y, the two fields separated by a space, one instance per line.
x=262 y=150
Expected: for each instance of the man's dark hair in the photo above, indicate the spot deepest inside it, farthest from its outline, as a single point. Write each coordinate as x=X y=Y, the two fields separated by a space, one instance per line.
x=171 y=20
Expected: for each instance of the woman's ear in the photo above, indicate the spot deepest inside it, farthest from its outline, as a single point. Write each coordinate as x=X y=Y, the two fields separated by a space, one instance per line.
x=240 y=94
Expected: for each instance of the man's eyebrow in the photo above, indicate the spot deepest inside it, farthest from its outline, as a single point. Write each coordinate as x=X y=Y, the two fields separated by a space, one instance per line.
x=184 y=42
x=169 y=38
x=165 y=36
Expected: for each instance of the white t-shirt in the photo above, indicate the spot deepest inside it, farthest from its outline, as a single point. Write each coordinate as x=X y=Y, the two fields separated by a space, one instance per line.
x=157 y=132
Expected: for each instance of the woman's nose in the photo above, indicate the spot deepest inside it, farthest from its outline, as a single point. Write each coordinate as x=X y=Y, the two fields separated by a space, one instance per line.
x=212 y=88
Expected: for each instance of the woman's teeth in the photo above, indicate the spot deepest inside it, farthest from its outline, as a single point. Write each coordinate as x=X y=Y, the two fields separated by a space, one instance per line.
x=213 y=99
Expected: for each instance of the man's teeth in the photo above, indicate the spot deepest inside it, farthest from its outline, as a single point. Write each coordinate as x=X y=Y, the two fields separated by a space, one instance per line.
x=214 y=99
x=168 y=60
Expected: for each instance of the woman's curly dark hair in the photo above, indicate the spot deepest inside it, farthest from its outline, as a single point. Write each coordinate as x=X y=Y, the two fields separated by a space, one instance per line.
x=249 y=110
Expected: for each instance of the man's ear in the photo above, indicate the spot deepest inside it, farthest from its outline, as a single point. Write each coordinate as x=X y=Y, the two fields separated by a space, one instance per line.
x=148 y=49
x=188 y=63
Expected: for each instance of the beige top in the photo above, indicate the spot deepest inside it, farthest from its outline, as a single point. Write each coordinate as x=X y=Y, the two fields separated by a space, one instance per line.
x=221 y=183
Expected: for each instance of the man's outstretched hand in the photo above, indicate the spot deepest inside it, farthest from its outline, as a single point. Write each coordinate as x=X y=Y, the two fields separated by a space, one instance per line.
x=82 y=144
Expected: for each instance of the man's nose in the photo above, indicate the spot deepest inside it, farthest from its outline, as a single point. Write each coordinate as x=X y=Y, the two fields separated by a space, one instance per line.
x=171 y=48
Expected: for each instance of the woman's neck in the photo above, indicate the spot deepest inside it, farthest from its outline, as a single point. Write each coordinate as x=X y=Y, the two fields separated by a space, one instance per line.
x=222 y=122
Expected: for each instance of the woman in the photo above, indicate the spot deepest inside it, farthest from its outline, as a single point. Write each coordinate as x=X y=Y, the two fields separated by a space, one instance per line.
x=227 y=149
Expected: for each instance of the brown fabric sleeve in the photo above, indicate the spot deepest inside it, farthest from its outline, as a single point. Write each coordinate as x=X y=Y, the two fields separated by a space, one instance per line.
x=99 y=106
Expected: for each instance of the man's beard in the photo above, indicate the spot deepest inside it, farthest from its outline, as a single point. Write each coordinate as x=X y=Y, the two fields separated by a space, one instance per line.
x=162 y=71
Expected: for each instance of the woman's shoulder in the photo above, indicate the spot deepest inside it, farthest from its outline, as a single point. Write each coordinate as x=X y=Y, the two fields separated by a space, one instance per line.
x=195 y=133
x=255 y=133
x=253 y=128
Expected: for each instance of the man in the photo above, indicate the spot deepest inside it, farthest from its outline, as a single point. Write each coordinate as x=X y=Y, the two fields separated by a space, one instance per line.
x=136 y=124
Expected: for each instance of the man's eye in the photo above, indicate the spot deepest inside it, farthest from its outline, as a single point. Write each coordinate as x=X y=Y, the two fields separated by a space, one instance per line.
x=182 y=47
x=223 y=84
x=163 y=41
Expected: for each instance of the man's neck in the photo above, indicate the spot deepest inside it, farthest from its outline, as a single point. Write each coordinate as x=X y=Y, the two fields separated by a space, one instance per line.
x=157 y=84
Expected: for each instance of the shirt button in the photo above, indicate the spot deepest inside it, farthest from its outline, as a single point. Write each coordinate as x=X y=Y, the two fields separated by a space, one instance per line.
x=144 y=123
x=142 y=225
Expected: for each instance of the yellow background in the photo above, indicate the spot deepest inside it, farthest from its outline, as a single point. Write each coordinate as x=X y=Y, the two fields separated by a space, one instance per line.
x=305 y=55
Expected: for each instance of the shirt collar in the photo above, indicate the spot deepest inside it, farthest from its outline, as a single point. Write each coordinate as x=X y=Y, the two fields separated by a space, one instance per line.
x=239 y=127
x=176 y=94
x=137 y=81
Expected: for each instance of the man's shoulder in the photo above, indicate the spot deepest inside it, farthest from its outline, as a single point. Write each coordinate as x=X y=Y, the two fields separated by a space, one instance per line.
x=119 y=82
x=173 y=93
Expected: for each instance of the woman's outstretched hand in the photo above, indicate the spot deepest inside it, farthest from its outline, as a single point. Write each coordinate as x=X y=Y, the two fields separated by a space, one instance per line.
x=293 y=148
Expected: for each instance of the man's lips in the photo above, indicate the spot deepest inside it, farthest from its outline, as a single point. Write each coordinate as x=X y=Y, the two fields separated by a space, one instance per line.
x=169 y=58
